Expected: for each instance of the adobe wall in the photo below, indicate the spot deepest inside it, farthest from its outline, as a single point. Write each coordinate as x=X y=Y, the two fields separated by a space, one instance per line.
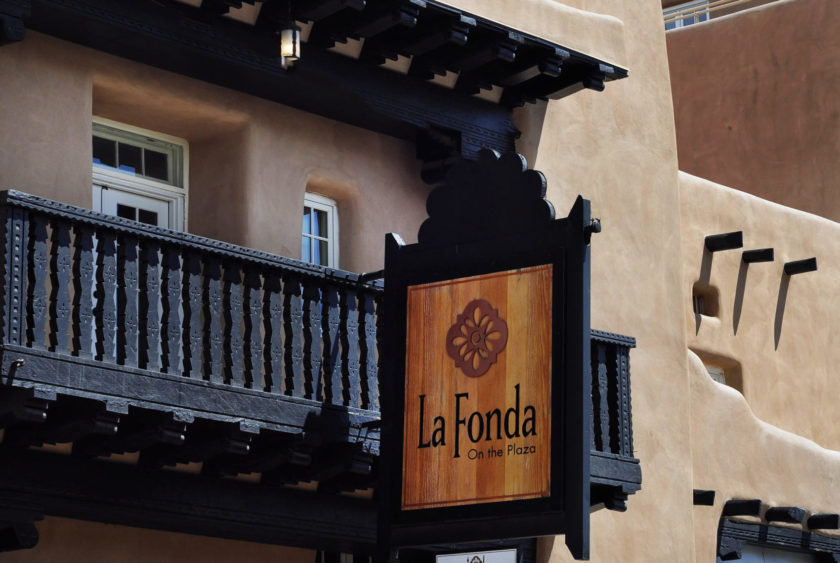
x=778 y=328
x=756 y=105
x=741 y=457
x=617 y=148
x=250 y=159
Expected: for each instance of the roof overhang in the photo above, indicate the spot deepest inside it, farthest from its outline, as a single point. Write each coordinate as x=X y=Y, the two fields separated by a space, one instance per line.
x=420 y=70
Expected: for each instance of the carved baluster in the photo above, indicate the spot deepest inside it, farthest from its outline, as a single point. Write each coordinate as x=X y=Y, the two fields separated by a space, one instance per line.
x=17 y=234
x=233 y=324
x=293 y=322
x=332 y=353
x=213 y=319
x=603 y=388
x=105 y=311
x=253 y=340
x=60 y=287
x=594 y=393
x=312 y=340
x=36 y=302
x=350 y=347
x=380 y=342
x=128 y=276
x=171 y=318
x=623 y=372
x=150 y=278
x=83 y=272
x=273 y=333
x=370 y=395
x=192 y=301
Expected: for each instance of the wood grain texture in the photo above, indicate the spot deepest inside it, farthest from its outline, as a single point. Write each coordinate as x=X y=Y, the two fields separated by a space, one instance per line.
x=474 y=458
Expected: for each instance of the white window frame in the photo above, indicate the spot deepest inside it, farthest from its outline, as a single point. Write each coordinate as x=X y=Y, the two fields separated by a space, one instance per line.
x=696 y=17
x=330 y=207
x=175 y=197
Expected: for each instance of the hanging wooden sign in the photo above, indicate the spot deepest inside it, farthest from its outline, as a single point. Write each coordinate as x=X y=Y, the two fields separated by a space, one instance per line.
x=486 y=382
x=477 y=424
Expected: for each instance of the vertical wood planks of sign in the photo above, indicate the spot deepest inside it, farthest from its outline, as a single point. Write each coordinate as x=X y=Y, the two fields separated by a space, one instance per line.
x=486 y=381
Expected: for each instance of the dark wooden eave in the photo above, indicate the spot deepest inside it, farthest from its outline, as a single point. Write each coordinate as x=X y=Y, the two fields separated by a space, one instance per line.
x=201 y=42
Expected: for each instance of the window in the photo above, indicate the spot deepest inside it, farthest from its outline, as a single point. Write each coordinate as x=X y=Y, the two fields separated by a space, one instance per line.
x=139 y=175
x=717 y=373
x=705 y=299
x=319 y=244
x=685 y=14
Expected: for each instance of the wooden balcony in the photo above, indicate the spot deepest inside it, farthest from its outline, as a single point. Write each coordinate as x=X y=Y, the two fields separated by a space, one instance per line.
x=180 y=355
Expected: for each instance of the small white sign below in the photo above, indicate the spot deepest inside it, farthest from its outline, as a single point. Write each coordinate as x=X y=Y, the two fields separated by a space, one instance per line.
x=498 y=556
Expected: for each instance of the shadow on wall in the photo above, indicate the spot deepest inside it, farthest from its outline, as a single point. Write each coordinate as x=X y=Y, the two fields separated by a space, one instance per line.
x=780 y=309
x=706 y=297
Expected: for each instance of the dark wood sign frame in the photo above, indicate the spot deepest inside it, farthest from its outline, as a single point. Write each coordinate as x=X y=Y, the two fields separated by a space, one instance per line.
x=501 y=199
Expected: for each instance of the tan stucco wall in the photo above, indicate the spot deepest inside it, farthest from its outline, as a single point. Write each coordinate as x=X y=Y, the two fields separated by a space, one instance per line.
x=72 y=541
x=250 y=159
x=617 y=148
x=45 y=108
x=779 y=328
x=739 y=456
x=756 y=105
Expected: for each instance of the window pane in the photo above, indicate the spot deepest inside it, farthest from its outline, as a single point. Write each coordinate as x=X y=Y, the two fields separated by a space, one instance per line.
x=321 y=253
x=126 y=212
x=307 y=219
x=105 y=152
x=130 y=159
x=305 y=254
x=148 y=217
x=320 y=223
x=157 y=165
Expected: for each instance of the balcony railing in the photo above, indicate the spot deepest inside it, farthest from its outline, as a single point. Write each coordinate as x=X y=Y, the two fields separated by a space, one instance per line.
x=695 y=12
x=120 y=337
x=90 y=286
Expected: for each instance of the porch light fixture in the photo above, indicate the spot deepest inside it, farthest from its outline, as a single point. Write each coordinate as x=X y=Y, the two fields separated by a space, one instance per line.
x=290 y=42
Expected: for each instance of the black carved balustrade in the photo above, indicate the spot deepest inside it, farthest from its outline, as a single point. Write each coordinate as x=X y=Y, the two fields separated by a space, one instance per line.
x=615 y=471
x=142 y=319
x=97 y=287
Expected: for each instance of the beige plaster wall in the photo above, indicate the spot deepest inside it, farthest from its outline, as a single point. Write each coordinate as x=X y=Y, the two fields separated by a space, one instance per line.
x=779 y=328
x=617 y=148
x=71 y=541
x=756 y=105
x=45 y=129
x=250 y=160
x=739 y=456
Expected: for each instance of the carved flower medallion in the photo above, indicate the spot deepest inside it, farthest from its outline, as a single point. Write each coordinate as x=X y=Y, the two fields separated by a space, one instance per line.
x=476 y=338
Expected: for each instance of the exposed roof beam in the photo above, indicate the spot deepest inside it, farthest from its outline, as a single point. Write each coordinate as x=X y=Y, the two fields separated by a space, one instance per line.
x=318 y=10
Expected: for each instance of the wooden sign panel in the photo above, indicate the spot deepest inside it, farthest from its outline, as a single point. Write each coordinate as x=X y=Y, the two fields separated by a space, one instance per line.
x=486 y=386
x=477 y=419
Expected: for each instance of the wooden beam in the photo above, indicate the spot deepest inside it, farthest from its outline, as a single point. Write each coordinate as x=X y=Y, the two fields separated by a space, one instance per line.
x=742 y=507
x=704 y=498
x=789 y=514
x=824 y=522
x=320 y=9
